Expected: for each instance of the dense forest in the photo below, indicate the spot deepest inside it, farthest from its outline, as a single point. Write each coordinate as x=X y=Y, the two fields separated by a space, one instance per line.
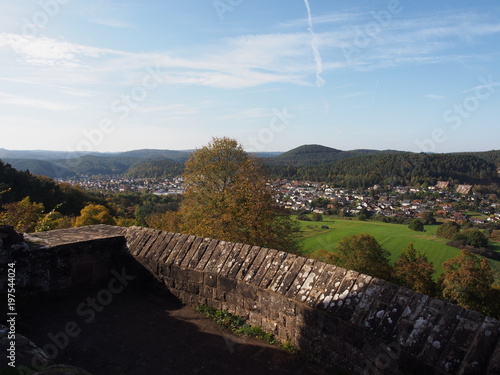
x=155 y=169
x=400 y=168
x=16 y=185
x=350 y=169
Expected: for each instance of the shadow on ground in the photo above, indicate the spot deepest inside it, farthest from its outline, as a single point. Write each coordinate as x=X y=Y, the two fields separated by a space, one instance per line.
x=140 y=332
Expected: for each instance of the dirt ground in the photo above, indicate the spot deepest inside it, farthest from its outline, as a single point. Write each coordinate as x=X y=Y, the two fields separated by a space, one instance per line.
x=139 y=333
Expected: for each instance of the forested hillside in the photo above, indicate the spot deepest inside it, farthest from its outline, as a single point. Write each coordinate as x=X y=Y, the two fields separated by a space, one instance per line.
x=314 y=155
x=394 y=169
x=356 y=168
x=41 y=167
x=16 y=185
x=155 y=169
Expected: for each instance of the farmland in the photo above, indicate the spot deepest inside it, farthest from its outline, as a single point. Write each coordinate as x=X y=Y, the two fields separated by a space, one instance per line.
x=393 y=237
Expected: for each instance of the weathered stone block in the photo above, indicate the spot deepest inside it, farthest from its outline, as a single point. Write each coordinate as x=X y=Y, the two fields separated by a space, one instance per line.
x=210 y=280
x=352 y=334
x=242 y=256
x=216 y=261
x=353 y=300
x=440 y=334
x=194 y=245
x=160 y=246
x=476 y=361
x=198 y=251
x=451 y=359
x=332 y=285
x=276 y=263
x=260 y=266
x=252 y=257
x=305 y=280
x=394 y=311
x=207 y=254
x=181 y=240
x=291 y=276
x=231 y=260
x=225 y=284
x=342 y=294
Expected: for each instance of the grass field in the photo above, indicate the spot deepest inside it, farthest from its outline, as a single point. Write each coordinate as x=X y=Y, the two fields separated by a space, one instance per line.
x=392 y=237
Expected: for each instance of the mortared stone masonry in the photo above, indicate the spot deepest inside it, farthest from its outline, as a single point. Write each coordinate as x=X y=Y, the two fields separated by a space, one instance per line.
x=338 y=317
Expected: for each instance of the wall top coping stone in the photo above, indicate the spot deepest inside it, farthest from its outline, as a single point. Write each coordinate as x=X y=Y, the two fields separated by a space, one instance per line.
x=74 y=235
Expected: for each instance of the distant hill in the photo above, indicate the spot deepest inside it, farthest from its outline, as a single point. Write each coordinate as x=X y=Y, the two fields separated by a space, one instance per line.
x=178 y=156
x=16 y=185
x=354 y=168
x=490 y=156
x=394 y=168
x=315 y=155
x=91 y=165
x=155 y=169
x=41 y=167
x=41 y=154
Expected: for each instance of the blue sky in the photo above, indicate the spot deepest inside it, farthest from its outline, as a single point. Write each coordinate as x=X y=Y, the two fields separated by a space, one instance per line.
x=104 y=75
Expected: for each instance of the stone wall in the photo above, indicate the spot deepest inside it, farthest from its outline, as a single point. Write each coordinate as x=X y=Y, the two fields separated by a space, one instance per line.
x=62 y=260
x=339 y=317
x=336 y=316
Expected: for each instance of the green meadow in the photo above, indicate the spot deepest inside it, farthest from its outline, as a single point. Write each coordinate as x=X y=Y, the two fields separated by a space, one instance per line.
x=392 y=237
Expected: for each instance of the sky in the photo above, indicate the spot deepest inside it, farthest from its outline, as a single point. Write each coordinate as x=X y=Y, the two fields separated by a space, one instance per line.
x=107 y=76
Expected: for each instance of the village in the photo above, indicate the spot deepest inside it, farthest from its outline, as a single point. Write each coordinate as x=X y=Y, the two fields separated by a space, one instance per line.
x=461 y=203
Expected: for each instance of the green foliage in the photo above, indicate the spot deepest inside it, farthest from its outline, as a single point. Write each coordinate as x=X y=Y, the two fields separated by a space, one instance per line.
x=448 y=230
x=413 y=270
x=303 y=217
x=155 y=169
x=416 y=225
x=362 y=253
x=320 y=202
x=239 y=326
x=476 y=238
x=23 y=215
x=41 y=167
x=428 y=218
x=17 y=185
x=393 y=237
x=150 y=204
x=169 y=221
x=389 y=168
x=316 y=217
x=468 y=280
x=308 y=155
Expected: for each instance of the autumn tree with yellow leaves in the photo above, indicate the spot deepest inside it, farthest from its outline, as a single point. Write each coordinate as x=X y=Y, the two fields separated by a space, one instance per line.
x=227 y=198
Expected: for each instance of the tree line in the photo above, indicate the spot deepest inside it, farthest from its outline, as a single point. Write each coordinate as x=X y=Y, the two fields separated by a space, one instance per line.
x=402 y=168
x=467 y=279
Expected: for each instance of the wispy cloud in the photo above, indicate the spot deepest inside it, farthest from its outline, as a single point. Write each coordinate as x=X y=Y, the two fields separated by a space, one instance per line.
x=253 y=60
x=315 y=47
x=24 y=101
x=44 y=51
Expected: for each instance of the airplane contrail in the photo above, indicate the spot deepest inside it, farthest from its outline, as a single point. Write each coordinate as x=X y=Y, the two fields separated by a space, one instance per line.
x=315 y=47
